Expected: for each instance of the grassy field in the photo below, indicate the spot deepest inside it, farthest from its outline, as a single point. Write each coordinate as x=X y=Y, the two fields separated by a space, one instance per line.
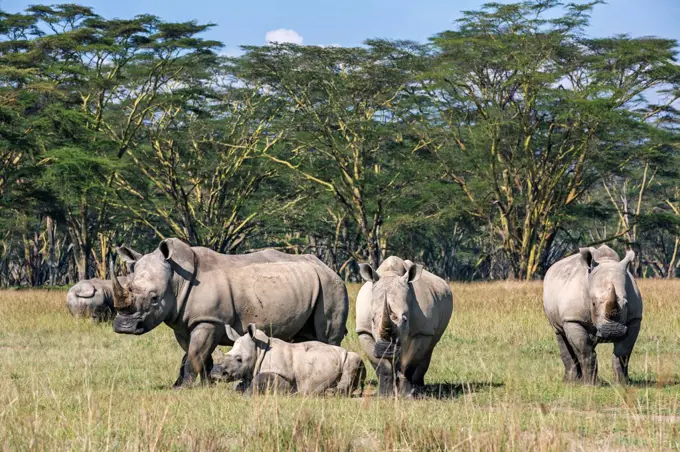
x=495 y=383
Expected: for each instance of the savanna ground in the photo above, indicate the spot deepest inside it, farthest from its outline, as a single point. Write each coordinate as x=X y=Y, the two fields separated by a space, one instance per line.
x=495 y=383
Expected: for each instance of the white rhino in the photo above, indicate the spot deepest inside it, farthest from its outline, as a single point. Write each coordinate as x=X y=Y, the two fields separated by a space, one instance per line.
x=590 y=298
x=402 y=312
x=197 y=291
x=92 y=298
x=311 y=367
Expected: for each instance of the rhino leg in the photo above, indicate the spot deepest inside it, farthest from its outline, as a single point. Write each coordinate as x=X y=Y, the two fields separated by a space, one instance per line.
x=572 y=368
x=623 y=350
x=198 y=360
x=584 y=346
x=421 y=370
x=353 y=375
x=184 y=343
x=383 y=367
x=268 y=383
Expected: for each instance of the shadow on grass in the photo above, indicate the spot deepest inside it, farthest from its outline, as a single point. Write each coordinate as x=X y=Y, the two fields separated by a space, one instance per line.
x=644 y=383
x=446 y=390
x=453 y=390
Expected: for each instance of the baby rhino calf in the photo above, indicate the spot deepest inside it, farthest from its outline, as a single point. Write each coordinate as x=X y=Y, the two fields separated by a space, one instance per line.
x=263 y=363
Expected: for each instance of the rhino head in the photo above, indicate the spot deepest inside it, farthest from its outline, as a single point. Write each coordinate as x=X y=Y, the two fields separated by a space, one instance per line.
x=149 y=297
x=92 y=298
x=606 y=291
x=392 y=298
x=241 y=361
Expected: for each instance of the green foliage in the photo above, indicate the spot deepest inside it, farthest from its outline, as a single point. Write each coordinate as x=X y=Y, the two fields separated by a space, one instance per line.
x=490 y=151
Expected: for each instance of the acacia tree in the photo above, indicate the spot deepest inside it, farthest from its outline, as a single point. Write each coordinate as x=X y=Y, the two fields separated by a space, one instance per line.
x=196 y=175
x=524 y=112
x=338 y=128
x=109 y=75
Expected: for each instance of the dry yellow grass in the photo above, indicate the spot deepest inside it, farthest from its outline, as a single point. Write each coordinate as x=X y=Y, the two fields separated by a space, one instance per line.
x=71 y=384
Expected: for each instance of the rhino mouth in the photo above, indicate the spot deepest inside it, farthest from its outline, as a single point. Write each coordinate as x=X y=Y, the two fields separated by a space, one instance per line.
x=219 y=373
x=129 y=324
x=610 y=331
x=387 y=349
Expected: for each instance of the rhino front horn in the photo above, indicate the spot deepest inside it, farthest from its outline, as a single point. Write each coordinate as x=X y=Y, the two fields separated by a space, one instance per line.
x=611 y=305
x=121 y=298
x=386 y=323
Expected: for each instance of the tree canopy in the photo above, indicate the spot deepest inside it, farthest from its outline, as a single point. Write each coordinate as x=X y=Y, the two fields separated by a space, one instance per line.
x=490 y=151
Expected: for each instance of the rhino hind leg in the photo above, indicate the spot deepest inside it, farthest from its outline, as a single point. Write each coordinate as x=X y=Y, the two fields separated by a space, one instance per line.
x=581 y=342
x=622 y=352
x=572 y=368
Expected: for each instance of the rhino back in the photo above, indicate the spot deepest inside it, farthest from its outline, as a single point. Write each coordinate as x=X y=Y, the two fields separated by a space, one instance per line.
x=565 y=292
x=265 y=288
x=435 y=303
x=313 y=366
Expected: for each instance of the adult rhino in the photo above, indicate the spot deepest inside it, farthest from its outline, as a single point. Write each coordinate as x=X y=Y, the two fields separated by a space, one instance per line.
x=92 y=298
x=197 y=291
x=591 y=297
x=402 y=312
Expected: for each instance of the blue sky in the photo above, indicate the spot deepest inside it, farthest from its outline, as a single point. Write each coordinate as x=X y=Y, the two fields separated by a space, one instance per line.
x=350 y=22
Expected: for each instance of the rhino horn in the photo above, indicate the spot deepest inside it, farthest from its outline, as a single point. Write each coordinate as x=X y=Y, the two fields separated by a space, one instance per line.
x=386 y=323
x=121 y=298
x=611 y=305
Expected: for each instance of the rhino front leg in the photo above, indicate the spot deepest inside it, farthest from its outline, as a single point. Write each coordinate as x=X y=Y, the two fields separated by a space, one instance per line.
x=572 y=368
x=421 y=370
x=270 y=383
x=184 y=343
x=353 y=375
x=584 y=346
x=383 y=368
x=198 y=359
x=623 y=350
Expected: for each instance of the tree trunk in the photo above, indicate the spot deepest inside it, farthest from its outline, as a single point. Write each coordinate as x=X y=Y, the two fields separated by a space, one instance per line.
x=52 y=265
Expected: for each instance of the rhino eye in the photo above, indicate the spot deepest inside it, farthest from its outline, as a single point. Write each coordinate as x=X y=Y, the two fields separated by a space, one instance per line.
x=239 y=359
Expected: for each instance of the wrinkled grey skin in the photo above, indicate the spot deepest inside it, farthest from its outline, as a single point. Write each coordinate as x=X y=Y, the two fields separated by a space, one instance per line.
x=311 y=368
x=589 y=298
x=92 y=298
x=196 y=292
x=402 y=312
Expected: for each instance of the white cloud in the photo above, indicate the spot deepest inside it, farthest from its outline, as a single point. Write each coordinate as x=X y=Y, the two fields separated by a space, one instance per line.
x=282 y=35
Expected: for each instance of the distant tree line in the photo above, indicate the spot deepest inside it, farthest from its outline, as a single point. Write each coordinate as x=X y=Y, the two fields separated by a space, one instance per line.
x=488 y=152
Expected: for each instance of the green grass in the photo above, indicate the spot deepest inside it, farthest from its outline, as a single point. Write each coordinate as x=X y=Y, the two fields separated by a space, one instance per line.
x=72 y=384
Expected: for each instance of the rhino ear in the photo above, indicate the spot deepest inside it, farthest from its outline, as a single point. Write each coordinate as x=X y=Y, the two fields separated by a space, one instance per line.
x=413 y=273
x=367 y=273
x=625 y=262
x=252 y=329
x=231 y=333
x=586 y=257
x=129 y=255
x=166 y=248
